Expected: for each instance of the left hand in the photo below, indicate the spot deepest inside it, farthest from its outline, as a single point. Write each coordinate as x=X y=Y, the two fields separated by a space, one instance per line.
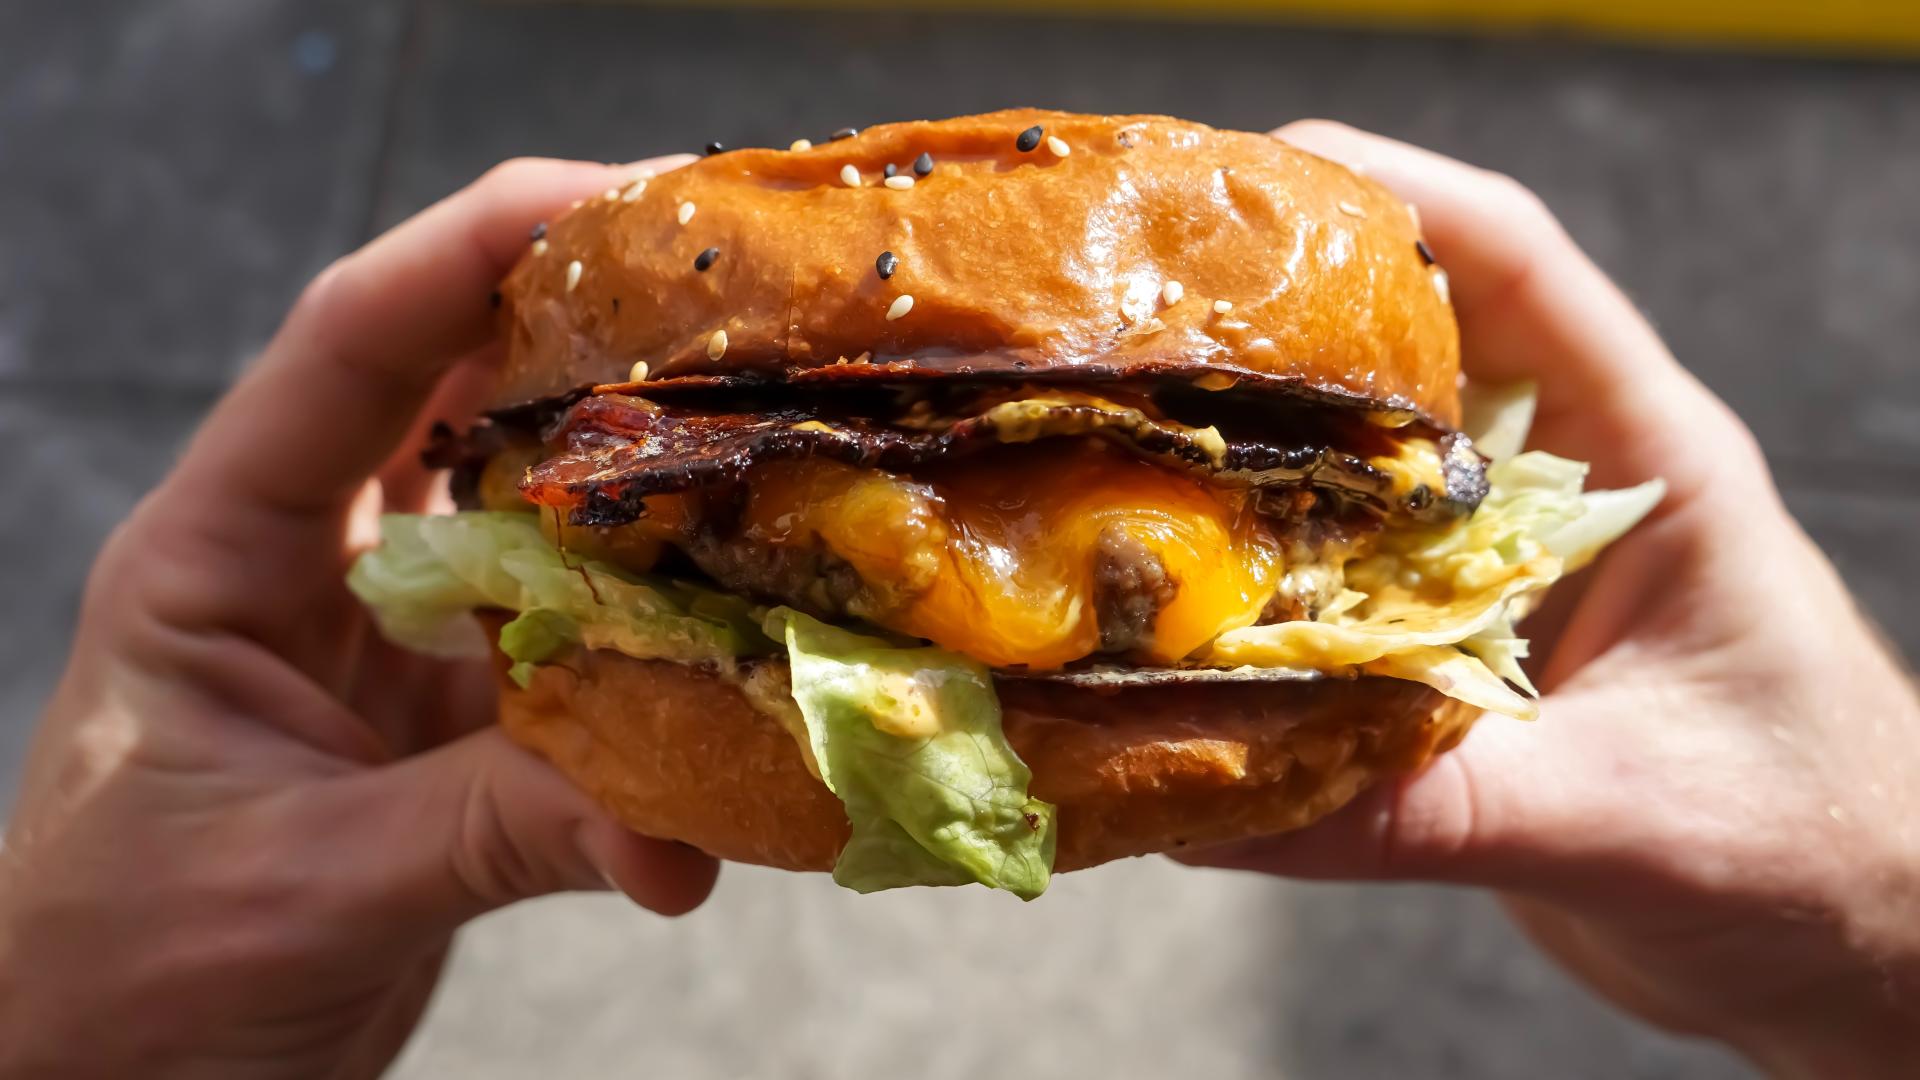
x=249 y=829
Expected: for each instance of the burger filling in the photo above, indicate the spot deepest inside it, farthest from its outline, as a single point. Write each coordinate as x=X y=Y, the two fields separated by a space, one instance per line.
x=1084 y=551
x=896 y=550
x=1027 y=532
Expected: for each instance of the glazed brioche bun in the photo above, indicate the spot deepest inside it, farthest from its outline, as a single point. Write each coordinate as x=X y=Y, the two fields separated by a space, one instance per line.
x=1020 y=264
x=1023 y=264
x=680 y=753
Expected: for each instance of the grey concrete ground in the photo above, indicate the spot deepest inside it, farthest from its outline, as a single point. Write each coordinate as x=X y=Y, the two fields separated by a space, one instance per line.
x=171 y=171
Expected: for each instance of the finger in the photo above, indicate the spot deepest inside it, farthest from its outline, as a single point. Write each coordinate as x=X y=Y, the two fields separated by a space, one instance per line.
x=1532 y=305
x=417 y=703
x=368 y=341
x=481 y=823
x=1482 y=814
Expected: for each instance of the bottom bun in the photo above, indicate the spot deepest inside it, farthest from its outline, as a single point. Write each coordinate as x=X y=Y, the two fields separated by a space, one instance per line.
x=679 y=753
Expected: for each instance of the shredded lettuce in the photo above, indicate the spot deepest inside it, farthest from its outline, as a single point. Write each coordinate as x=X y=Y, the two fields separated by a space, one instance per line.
x=1438 y=605
x=1497 y=416
x=910 y=740
x=431 y=573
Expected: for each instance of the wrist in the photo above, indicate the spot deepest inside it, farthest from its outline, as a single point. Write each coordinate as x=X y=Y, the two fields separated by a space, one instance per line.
x=1858 y=1015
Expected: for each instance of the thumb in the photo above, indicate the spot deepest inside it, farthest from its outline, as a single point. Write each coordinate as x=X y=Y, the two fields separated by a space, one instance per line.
x=1491 y=812
x=480 y=823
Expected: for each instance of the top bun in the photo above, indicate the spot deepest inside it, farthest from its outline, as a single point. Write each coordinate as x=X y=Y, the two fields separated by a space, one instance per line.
x=1020 y=263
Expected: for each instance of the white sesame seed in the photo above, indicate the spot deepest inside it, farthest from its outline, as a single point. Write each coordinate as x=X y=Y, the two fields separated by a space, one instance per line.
x=849 y=175
x=900 y=183
x=901 y=305
x=801 y=144
x=717 y=345
x=1059 y=146
x=1171 y=292
x=539 y=247
x=1414 y=213
x=1349 y=208
x=686 y=212
x=573 y=274
x=610 y=194
x=1221 y=307
x=637 y=373
x=634 y=189
x=1442 y=286
x=578 y=203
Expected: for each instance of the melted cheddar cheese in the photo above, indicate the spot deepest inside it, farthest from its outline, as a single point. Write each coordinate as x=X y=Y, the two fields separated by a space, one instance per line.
x=995 y=556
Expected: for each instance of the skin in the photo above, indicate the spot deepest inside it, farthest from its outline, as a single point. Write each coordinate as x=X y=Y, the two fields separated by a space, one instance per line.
x=248 y=828
x=248 y=831
x=1713 y=822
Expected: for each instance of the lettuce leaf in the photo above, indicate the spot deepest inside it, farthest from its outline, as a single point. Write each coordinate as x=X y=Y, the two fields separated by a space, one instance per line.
x=431 y=573
x=532 y=638
x=1497 y=416
x=910 y=740
x=1456 y=674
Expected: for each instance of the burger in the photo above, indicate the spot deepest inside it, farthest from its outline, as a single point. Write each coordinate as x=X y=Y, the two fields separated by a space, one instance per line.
x=962 y=501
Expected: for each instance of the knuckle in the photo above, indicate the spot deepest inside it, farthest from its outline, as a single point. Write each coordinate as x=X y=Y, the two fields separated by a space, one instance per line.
x=487 y=858
x=1434 y=823
x=511 y=172
x=1316 y=127
x=1740 y=454
x=1507 y=196
x=310 y=307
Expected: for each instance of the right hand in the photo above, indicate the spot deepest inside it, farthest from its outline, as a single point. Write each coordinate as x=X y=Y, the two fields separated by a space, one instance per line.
x=1714 y=821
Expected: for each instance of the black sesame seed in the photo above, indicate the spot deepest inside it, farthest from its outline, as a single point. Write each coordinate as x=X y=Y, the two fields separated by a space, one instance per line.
x=493 y=299
x=843 y=133
x=540 y=231
x=886 y=264
x=616 y=305
x=1426 y=253
x=1029 y=139
x=923 y=164
x=705 y=259
x=714 y=148
x=891 y=170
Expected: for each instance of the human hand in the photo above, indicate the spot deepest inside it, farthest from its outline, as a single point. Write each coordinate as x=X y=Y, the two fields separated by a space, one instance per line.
x=249 y=828
x=1713 y=821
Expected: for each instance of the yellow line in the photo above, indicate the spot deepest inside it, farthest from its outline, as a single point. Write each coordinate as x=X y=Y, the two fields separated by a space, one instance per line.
x=1887 y=27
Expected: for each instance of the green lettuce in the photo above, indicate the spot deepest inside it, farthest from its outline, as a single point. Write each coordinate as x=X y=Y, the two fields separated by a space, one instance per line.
x=532 y=638
x=431 y=573
x=910 y=740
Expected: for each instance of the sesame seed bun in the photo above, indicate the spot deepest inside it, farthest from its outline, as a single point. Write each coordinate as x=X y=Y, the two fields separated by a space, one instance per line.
x=1047 y=263
x=1095 y=247
x=677 y=752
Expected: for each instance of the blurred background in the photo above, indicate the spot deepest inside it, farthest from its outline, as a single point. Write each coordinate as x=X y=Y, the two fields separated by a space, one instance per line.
x=171 y=171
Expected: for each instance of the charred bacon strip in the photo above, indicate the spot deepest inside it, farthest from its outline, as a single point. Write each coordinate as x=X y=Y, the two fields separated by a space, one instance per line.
x=615 y=449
